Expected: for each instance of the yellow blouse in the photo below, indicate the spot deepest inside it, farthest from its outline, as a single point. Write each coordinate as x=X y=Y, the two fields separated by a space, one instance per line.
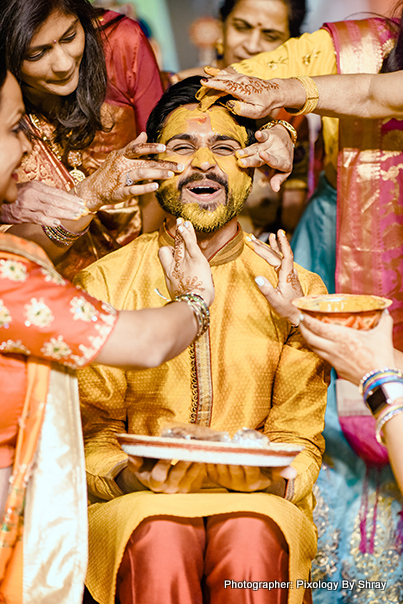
x=310 y=55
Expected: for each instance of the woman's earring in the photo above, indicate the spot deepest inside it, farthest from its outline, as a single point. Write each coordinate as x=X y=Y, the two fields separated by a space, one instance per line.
x=219 y=47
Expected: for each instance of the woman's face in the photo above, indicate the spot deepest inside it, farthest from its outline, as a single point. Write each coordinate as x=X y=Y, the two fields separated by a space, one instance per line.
x=13 y=143
x=254 y=26
x=51 y=63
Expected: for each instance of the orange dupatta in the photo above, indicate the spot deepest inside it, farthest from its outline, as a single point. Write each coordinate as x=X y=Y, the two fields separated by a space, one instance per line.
x=11 y=561
x=38 y=372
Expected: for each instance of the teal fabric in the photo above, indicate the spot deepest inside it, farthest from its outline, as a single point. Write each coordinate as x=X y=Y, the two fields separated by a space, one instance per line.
x=341 y=497
x=314 y=240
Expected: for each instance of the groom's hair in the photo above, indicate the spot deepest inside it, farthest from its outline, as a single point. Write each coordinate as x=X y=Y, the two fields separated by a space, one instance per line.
x=184 y=93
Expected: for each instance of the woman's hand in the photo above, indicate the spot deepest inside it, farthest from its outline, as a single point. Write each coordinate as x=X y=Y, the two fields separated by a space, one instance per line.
x=38 y=203
x=280 y=256
x=116 y=180
x=352 y=353
x=248 y=479
x=186 y=269
x=255 y=98
x=162 y=476
x=275 y=149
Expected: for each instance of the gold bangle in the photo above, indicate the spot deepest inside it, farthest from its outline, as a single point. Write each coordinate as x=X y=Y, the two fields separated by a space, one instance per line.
x=290 y=129
x=312 y=96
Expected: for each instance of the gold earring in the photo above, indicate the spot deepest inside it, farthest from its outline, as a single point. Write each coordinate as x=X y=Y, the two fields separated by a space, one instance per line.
x=219 y=46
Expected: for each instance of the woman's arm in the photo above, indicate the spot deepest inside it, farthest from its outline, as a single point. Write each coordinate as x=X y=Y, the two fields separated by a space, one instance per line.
x=46 y=316
x=109 y=184
x=361 y=95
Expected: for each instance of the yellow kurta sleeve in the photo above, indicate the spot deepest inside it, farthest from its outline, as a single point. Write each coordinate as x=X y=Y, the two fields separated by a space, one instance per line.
x=103 y=412
x=294 y=417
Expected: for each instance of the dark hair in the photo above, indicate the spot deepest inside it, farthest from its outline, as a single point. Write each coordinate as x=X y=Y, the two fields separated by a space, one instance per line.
x=394 y=61
x=296 y=14
x=184 y=93
x=79 y=116
x=3 y=69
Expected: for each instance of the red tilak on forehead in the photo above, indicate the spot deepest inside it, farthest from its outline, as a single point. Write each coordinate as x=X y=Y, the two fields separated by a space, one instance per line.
x=200 y=120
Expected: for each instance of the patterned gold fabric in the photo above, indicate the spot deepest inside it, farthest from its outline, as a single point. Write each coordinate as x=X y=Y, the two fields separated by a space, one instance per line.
x=262 y=376
x=310 y=55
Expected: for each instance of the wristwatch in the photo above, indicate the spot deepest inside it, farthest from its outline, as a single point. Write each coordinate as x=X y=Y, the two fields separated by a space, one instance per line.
x=384 y=395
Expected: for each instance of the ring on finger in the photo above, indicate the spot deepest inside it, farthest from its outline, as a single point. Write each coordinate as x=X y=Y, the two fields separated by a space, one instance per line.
x=129 y=181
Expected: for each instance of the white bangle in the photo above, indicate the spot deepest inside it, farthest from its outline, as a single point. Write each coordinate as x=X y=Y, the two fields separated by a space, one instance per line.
x=383 y=418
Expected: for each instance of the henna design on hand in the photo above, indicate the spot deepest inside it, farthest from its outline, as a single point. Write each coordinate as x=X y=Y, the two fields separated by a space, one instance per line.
x=188 y=284
x=253 y=86
x=292 y=278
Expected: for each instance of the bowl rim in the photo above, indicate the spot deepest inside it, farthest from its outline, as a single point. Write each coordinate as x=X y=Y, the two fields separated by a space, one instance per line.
x=384 y=303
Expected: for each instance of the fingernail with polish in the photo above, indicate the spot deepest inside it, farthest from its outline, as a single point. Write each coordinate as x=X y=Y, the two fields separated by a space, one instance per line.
x=161 y=148
x=301 y=318
x=187 y=224
x=55 y=222
x=259 y=281
x=180 y=229
x=181 y=167
x=282 y=232
x=179 y=221
x=154 y=186
x=248 y=238
x=170 y=174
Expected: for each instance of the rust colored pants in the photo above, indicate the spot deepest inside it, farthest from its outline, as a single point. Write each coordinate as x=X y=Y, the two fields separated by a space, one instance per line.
x=194 y=561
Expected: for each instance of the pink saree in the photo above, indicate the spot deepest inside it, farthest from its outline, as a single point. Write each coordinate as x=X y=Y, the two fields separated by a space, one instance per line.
x=369 y=252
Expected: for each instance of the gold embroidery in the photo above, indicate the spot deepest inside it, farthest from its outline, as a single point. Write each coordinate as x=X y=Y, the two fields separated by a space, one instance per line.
x=275 y=64
x=310 y=57
x=388 y=46
x=326 y=559
x=382 y=565
x=201 y=381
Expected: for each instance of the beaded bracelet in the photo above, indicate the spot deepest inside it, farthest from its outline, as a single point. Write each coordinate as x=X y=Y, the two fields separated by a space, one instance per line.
x=312 y=96
x=290 y=129
x=384 y=417
x=62 y=236
x=200 y=309
x=377 y=377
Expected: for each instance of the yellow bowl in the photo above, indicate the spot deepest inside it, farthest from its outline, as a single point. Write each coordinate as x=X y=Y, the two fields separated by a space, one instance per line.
x=356 y=311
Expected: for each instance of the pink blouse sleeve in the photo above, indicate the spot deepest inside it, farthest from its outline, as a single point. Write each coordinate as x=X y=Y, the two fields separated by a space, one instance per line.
x=43 y=315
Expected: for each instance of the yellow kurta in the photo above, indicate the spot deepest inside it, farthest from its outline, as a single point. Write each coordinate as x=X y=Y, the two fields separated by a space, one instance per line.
x=260 y=375
x=311 y=55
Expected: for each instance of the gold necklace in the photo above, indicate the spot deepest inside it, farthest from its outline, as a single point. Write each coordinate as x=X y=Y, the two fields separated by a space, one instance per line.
x=74 y=158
